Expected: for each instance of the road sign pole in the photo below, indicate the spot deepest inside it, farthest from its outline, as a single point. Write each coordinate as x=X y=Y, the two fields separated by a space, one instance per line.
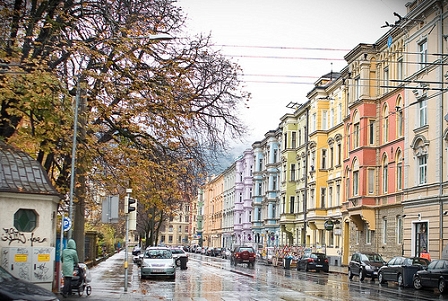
x=128 y=191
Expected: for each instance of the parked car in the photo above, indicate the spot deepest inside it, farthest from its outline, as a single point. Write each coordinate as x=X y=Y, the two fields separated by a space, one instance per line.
x=243 y=255
x=177 y=254
x=158 y=261
x=13 y=288
x=198 y=250
x=313 y=261
x=434 y=276
x=216 y=252
x=225 y=253
x=136 y=250
x=364 y=265
x=401 y=270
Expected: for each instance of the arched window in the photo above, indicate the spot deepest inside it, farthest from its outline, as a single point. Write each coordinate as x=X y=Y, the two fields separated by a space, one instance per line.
x=399 y=170
x=356 y=130
x=399 y=116
x=385 y=123
x=385 y=173
x=355 y=176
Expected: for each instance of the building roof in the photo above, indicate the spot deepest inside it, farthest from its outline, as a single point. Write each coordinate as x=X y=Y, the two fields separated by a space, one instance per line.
x=21 y=173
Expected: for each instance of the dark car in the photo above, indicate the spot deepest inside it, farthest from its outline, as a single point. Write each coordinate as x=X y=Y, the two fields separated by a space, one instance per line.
x=399 y=269
x=364 y=265
x=434 y=276
x=216 y=252
x=12 y=288
x=313 y=261
x=243 y=255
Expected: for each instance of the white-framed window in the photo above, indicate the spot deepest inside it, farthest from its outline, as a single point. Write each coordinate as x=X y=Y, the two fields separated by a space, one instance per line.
x=356 y=134
x=357 y=88
x=293 y=139
x=399 y=229
x=423 y=112
x=324 y=158
x=313 y=122
x=400 y=68
x=324 y=120
x=291 y=204
x=323 y=196
x=423 y=53
x=422 y=169
x=384 y=232
x=385 y=174
x=368 y=234
x=339 y=113
x=355 y=178
x=371 y=180
x=293 y=172
x=331 y=118
x=399 y=175
x=330 y=197
x=371 y=132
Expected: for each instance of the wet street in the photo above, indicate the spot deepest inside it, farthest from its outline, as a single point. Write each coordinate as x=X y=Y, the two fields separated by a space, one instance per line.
x=213 y=279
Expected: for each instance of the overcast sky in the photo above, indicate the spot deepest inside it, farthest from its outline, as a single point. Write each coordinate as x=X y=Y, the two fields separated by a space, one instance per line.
x=283 y=46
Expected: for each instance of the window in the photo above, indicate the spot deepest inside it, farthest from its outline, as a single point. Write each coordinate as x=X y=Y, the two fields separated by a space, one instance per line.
x=300 y=137
x=422 y=169
x=339 y=158
x=331 y=118
x=324 y=120
x=372 y=132
x=293 y=140
x=25 y=220
x=291 y=204
x=323 y=192
x=400 y=68
x=285 y=142
x=355 y=183
x=384 y=231
x=423 y=53
x=356 y=135
x=339 y=113
x=399 y=122
x=357 y=88
x=324 y=158
x=423 y=112
x=399 y=175
x=385 y=124
x=313 y=122
x=371 y=180
x=355 y=177
x=368 y=234
x=399 y=230
x=385 y=175
x=331 y=157
x=275 y=155
x=386 y=79
x=330 y=197
x=338 y=195
x=293 y=172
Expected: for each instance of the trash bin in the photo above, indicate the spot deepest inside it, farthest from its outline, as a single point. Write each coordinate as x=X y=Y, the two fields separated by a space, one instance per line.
x=287 y=263
x=408 y=275
x=183 y=263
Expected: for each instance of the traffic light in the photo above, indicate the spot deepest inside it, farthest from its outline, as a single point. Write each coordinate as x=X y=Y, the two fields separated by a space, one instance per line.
x=131 y=206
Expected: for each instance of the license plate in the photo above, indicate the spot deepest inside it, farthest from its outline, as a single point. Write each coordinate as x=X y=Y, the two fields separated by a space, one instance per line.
x=245 y=260
x=157 y=271
x=319 y=266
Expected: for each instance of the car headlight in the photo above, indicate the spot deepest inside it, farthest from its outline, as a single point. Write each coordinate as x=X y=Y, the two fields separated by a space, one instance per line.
x=368 y=267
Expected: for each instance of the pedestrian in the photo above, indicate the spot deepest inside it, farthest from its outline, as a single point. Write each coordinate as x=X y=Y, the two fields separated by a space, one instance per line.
x=69 y=259
x=425 y=254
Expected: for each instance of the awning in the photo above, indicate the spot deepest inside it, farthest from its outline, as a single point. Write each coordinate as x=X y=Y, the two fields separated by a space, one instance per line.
x=316 y=225
x=363 y=215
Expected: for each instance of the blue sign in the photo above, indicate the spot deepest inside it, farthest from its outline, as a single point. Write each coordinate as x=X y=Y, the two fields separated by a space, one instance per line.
x=66 y=224
x=389 y=41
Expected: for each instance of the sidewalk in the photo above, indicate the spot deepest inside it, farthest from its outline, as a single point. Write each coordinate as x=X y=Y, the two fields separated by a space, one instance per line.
x=108 y=281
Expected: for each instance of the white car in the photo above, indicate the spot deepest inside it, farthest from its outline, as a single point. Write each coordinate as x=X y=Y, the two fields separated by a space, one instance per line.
x=158 y=261
x=177 y=254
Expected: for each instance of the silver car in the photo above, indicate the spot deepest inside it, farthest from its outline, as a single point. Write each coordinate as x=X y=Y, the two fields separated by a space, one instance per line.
x=158 y=261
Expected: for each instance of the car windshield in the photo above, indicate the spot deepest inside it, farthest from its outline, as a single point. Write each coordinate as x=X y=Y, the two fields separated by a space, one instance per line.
x=177 y=251
x=246 y=249
x=371 y=257
x=158 y=254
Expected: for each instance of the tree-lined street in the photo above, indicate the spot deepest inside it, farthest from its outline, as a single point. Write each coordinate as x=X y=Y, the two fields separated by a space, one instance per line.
x=212 y=279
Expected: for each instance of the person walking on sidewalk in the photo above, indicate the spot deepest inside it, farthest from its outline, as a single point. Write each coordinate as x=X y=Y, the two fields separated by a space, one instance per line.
x=69 y=259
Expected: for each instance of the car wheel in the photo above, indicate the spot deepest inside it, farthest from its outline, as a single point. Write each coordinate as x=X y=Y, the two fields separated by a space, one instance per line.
x=350 y=274
x=400 y=280
x=442 y=287
x=380 y=278
x=417 y=283
x=178 y=262
x=361 y=275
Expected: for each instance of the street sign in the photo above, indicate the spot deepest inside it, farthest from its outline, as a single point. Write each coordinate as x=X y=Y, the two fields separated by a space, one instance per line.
x=66 y=224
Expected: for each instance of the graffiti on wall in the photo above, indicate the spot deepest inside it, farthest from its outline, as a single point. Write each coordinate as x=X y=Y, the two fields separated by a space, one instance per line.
x=12 y=234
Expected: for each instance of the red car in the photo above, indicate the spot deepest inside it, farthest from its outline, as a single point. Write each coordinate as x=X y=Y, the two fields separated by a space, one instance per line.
x=243 y=255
